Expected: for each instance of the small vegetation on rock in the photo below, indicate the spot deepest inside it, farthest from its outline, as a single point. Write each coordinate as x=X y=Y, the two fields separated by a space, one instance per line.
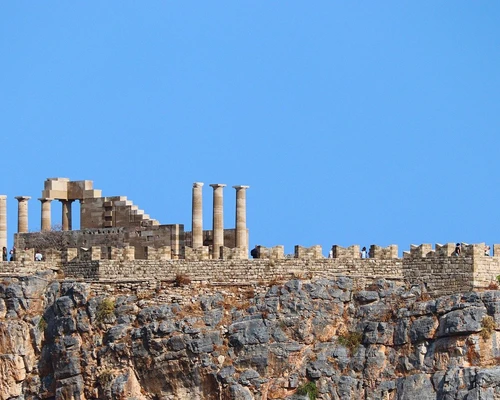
x=182 y=280
x=42 y=324
x=105 y=378
x=488 y=324
x=493 y=285
x=308 y=389
x=351 y=340
x=105 y=309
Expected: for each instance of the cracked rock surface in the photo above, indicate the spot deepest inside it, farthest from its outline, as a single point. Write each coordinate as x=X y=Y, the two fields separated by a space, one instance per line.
x=290 y=340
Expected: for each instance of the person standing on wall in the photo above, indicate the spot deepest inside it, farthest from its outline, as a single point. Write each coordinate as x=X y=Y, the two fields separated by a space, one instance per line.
x=363 y=252
x=4 y=254
x=458 y=249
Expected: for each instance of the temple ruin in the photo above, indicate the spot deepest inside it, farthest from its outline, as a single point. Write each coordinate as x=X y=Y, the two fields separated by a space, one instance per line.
x=116 y=221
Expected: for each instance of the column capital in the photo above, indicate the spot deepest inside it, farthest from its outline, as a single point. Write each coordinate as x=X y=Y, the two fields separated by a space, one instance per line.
x=44 y=199
x=22 y=198
x=238 y=187
x=3 y=196
x=197 y=184
x=218 y=185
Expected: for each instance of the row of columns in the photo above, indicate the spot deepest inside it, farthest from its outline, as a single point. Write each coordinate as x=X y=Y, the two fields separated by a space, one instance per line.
x=218 y=216
x=197 y=216
x=22 y=216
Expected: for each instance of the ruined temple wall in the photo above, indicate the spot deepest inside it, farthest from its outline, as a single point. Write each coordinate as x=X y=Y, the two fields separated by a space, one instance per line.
x=62 y=239
x=229 y=238
x=92 y=213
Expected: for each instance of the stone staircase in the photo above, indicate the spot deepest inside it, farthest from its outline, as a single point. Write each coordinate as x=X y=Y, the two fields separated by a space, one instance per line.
x=120 y=208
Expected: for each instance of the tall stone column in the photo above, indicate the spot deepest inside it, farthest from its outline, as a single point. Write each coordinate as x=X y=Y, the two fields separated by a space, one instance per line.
x=241 y=217
x=3 y=221
x=197 y=216
x=66 y=214
x=22 y=213
x=218 y=220
x=46 y=214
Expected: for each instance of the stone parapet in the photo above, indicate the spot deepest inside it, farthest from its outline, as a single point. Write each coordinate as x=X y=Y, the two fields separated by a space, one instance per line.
x=349 y=252
x=276 y=252
x=439 y=275
x=234 y=253
x=308 y=253
x=199 y=253
x=383 y=253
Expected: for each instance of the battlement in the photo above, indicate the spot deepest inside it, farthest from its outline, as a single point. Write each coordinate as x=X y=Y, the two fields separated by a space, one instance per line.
x=448 y=250
x=117 y=240
x=435 y=270
x=276 y=253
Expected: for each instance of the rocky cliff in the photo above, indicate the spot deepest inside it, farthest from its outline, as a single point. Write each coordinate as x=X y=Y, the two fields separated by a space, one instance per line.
x=301 y=339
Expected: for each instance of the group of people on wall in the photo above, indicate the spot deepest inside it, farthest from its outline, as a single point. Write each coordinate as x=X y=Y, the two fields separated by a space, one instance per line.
x=5 y=257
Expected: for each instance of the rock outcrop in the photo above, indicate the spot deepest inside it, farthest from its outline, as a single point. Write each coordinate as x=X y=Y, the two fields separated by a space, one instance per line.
x=323 y=339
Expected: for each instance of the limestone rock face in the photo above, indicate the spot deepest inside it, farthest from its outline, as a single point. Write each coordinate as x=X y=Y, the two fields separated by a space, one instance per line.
x=323 y=338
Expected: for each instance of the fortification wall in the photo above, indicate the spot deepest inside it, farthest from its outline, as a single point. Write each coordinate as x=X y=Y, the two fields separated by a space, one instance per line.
x=234 y=271
x=441 y=275
x=438 y=270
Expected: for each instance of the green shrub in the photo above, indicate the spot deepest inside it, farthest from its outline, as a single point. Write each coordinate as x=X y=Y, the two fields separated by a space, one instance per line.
x=42 y=324
x=352 y=341
x=182 y=280
x=105 y=309
x=488 y=324
x=308 y=388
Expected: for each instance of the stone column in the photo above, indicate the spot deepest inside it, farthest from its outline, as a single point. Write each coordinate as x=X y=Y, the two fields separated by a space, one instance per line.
x=46 y=214
x=22 y=213
x=241 y=217
x=218 y=220
x=197 y=216
x=3 y=221
x=66 y=214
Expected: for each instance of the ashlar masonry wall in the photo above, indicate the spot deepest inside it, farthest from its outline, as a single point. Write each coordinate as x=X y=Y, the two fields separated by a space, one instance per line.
x=234 y=271
x=438 y=270
x=440 y=274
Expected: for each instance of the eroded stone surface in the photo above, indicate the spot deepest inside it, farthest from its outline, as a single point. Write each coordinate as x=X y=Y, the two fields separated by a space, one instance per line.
x=87 y=341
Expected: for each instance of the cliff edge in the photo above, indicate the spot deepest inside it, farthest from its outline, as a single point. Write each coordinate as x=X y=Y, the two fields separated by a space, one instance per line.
x=301 y=339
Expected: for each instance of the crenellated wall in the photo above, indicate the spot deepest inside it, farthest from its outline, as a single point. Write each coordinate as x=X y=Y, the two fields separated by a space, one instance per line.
x=435 y=269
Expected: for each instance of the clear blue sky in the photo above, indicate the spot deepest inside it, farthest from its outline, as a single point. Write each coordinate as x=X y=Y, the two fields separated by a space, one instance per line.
x=353 y=122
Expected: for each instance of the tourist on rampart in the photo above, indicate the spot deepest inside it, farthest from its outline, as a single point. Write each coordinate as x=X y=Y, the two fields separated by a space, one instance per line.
x=330 y=253
x=363 y=253
x=458 y=249
x=4 y=254
x=13 y=254
x=38 y=256
x=487 y=250
x=255 y=252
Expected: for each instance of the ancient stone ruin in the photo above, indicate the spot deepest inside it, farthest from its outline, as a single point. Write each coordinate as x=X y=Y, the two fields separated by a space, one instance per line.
x=116 y=221
x=118 y=241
